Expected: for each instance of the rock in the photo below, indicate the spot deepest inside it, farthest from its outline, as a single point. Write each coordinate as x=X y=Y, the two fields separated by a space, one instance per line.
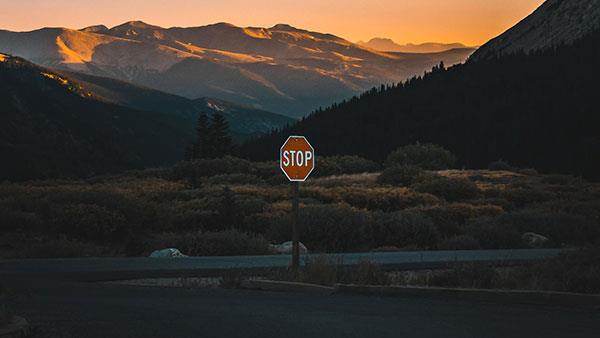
x=286 y=248
x=534 y=240
x=16 y=328
x=167 y=253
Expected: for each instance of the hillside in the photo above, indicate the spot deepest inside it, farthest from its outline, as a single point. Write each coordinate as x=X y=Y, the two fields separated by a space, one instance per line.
x=554 y=23
x=536 y=110
x=52 y=126
x=283 y=69
x=244 y=121
x=388 y=45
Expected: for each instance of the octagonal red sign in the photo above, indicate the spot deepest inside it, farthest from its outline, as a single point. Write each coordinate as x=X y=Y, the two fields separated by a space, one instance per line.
x=297 y=158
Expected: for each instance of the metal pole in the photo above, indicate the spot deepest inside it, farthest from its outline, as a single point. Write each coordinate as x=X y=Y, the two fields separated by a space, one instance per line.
x=295 y=244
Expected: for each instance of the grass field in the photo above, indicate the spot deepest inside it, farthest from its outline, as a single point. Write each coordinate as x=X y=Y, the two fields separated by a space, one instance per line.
x=230 y=206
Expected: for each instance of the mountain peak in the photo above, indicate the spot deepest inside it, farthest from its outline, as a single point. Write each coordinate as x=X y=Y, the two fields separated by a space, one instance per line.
x=388 y=45
x=134 y=24
x=284 y=27
x=555 y=22
x=95 y=29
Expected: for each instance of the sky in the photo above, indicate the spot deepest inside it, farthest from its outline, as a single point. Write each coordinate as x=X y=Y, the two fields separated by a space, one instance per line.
x=472 y=22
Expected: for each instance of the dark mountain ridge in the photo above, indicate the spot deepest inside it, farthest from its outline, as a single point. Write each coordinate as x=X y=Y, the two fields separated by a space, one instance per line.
x=538 y=109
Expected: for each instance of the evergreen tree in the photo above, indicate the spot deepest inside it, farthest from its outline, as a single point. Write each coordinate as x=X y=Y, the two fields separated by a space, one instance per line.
x=219 y=136
x=203 y=147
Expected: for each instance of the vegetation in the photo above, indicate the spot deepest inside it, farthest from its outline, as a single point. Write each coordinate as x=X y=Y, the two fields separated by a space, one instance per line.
x=212 y=138
x=577 y=271
x=231 y=206
x=424 y=156
x=532 y=110
x=324 y=270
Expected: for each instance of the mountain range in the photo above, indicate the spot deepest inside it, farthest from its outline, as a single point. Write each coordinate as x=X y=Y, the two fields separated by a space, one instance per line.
x=533 y=105
x=388 y=45
x=282 y=69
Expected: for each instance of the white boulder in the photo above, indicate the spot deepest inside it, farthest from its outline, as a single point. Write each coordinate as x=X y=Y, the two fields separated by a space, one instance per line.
x=534 y=240
x=167 y=253
x=286 y=248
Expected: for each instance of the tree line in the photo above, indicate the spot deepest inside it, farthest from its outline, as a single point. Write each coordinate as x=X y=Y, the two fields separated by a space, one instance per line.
x=213 y=139
x=537 y=109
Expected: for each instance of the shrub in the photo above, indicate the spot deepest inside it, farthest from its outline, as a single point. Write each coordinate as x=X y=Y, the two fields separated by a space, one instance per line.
x=229 y=179
x=450 y=219
x=196 y=169
x=557 y=179
x=386 y=199
x=266 y=170
x=404 y=229
x=399 y=175
x=376 y=198
x=223 y=243
x=493 y=235
x=522 y=197
x=88 y=221
x=460 y=242
x=500 y=165
x=325 y=270
x=469 y=275
x=11 y=220
x=339 y=165
x=559 y=227
x=61 y=247
x=327 y=228
x=451 y=189
x=425 y=156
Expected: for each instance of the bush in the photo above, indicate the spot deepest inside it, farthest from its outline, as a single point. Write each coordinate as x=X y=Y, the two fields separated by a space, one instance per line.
x=451 y=189
x=88 y=221
x=560 y=228
x=469 y=275
x=230 y=179
x=325 y=270
x=425 y=156
x=500 y=165
x=223 y=243
x=196 y=169
x=450 y=219
x=494 y=235
x=399 y=175
x=340 y=165
x=406 y=229
x=376 y=198
x=460 y=242
x=558 y=179
x=522 y=197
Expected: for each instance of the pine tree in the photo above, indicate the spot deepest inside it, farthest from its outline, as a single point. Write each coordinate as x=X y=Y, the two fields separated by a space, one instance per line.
x=222 y=144
x=203 y=147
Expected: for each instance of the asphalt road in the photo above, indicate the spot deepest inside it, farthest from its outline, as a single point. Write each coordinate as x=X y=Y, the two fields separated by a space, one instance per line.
x=61 y=305
x=144 y=266
x=93 y=310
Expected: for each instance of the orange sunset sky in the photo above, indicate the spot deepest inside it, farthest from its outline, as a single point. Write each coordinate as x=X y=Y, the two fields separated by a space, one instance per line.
x=472 y=22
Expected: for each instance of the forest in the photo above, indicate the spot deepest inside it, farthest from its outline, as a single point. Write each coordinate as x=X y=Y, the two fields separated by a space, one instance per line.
x=534 y=110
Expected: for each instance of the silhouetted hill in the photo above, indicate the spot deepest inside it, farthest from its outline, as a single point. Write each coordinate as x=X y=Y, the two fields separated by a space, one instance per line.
x=244 y=121
x=539 y=109
x=52 y=126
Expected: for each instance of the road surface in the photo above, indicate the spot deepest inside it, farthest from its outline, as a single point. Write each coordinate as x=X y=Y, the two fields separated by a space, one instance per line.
x=52 y=295
x=106 y=268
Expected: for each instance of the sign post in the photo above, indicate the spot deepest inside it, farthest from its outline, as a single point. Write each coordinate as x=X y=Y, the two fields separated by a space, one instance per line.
x=297 y=161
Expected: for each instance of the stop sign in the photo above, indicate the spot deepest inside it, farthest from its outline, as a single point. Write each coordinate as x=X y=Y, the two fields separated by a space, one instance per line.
x=297 y=158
